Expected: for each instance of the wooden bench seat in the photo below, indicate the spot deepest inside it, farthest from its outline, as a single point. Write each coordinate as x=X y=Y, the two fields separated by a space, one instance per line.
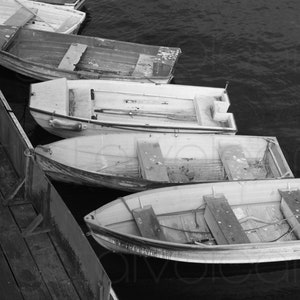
x=290 y=207
x=222 y=221
x=72 y=56
x=80 y=103
x=235 y=162
x=151 y=161
x=147 y=223
x=144 y=65
x=21 y=17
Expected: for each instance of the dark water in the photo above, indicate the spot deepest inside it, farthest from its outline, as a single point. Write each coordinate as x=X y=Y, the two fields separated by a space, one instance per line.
x=255 y=45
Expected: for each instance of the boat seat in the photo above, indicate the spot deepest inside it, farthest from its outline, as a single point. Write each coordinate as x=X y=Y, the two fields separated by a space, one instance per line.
x=144 y=66
x=151 y=161
x=80 y=103
x=21 y=17
x=235 y=162
x=290 y=207
x=147 y=223
x=222 y=222
x=72 y=56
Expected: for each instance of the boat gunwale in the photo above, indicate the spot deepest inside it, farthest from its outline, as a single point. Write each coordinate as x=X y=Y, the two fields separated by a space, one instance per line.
x=122 y=125
x=101 y=230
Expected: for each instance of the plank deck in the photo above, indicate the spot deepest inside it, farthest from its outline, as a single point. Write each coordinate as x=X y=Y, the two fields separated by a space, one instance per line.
x=21 y=17
x=290 y=206
x=151 y=161
x=222 y=221
x=235 y=162
x=72 y=56
x=147 y=223
x=34 y=267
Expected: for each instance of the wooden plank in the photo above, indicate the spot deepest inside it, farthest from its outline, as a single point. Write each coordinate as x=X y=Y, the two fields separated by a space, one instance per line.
x=45 y=256
x=76 y=253
x=235 y=162
x=80 y=103
x=8 y=287
x=20 y=260
x=222 y=221
x=151 y=161
x=144 y=66
x=21 y=17
x=6 y=36
x=147 y=223
x=290 y=207
x=8 y=176
x=72 y=56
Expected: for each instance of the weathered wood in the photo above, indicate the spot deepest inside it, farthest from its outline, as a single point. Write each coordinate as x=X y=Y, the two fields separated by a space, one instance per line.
x=147 y=223
x=41 y=53
x=151 y=161
x=80 y=103
x=8 y=176
x=235 y=162
x=31 y=229
x=21 y=17
x=290 y=206
x=20 y=260
x=54 y=275
x=41 y=270
x=14 y=191
x=144 y=65
x=72 y=56
x=222 y=221
x=8 y=286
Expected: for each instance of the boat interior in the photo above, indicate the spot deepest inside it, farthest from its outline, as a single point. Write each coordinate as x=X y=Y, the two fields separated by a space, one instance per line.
x=38 y=16
x=213 y=221
x=91 y=54
x=180 y=159
x=132 y=107
x=229 y=162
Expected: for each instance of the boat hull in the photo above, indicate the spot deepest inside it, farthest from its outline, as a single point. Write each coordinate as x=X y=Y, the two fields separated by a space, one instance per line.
x=46 y=55
x=60 y=172
x=67 y=127
x=77 y=4
x=44 y=72
x=244 y=255
x=46 y=17
x=117 y=225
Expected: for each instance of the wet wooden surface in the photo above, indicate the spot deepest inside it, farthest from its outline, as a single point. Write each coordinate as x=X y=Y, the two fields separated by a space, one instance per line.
x=33 y=267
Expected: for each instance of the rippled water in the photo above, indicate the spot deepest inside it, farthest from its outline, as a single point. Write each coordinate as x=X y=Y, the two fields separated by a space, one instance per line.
x=255 y=45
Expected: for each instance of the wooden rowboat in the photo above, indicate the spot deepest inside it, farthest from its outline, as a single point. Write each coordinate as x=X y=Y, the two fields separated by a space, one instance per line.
x=135 y=162
x=47 y=55
x=69 y=108
x=40 y=16
x=74 y=4
x=237 y=222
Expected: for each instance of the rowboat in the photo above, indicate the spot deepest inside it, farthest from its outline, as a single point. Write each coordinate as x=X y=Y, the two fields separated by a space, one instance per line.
x=237 y=222
x=45 y=55
x=135 y=162
x=40 y=16
x=74 y=4
x=69 y=108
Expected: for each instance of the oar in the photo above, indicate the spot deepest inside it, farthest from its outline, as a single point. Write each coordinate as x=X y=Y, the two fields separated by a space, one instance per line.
x=35 y=14
x=145 y=113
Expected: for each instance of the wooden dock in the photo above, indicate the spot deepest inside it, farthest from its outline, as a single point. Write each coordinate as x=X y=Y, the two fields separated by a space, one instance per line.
x=43 y=252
